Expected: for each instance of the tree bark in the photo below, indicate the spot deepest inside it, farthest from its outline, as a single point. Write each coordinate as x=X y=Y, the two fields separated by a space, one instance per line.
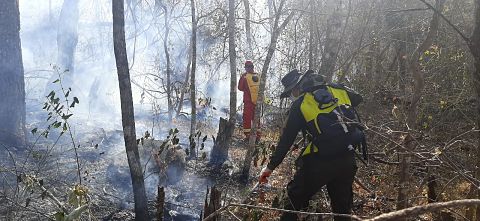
x=311 y=43
x=332 y=42
x=12 y=84
x=128 y=121
x=167 y=57
x=248 y=30
x=475 y=50
x=404 y=172
x=67 y=35
x=193 y=101
x=219 y=153
x=160 y=202
x=186 y=82
x=233 y=60
x=418 y=78
x=277 y=30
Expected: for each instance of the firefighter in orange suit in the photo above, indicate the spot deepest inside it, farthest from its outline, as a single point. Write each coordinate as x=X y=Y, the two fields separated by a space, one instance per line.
x=249 y=83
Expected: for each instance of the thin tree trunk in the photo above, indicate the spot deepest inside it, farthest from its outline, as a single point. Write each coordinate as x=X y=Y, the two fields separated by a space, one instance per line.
x=475 y=50
x=194 y=66
x=233 y=61
x=248 y=30
x=160 y=202
x=128 y=121
x=414 y=68
x=404 y=172
x=311 y=45
x=277 y=30
x=167 y=57
x=186 y=83
x=67 y=36
x=332 y=42
x=12 y=84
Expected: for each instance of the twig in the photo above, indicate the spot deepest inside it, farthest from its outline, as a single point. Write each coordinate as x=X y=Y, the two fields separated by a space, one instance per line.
x=53 y=198
x=418 y=210
x=465 y=38
x=217 y=212
x=363 y=186
x=233 y=215
x=407 y=10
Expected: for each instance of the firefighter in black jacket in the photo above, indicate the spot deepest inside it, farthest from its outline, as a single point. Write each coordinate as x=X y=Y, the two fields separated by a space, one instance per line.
x=329 y=158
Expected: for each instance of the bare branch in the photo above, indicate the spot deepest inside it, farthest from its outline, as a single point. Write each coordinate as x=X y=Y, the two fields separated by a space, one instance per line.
x=418 y=210
x=465 y=38
x=217 y=212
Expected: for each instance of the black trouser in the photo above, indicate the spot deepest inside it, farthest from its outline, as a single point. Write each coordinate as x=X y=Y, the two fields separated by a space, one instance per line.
x=312 y=174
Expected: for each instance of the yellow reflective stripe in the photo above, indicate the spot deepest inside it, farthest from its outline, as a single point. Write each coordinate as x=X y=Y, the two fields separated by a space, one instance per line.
x=341 y=95
x=253 y=86
x=308 y=149
x=316 y=125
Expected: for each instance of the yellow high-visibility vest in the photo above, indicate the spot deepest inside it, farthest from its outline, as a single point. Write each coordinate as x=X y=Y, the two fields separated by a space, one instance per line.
x=310 y=110
x=253 y=85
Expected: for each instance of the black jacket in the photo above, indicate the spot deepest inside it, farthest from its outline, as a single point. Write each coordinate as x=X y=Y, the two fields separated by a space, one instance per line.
x=296 y=122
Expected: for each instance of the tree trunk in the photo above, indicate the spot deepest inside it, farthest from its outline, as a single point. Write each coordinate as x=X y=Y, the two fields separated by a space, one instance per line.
x=12 y=84
x=414 y=67
x=332 y=42
x=277 y=30
x=167 y=57
x=475 y=50
x=67 y=38
x=212 y=202
x=404 y=172
x=233 y=61
x=394 y=22
x=67 y=35
x=311 y=43
x=248 y=30
x=194 y=67
x=220 y=148
x=128 y=121
x=160 y=202
x=185 y=84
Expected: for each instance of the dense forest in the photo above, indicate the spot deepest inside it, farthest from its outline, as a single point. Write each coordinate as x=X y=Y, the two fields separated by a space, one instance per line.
x=134 y=110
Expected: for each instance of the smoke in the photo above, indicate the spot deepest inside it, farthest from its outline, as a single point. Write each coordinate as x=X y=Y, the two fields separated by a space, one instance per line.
x=97 y=118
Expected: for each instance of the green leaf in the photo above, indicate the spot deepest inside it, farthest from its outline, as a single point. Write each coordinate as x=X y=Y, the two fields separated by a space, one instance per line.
x=175 y=141
x=57 y=124
x=163 y=144
x=59 y=216
x=65 y=128
x=56 y=81
x=51 y=94
x=65 y=117
x=75 y=100
x=66 y=94
x=204 y=138
x=175 y=131
x=34 y=130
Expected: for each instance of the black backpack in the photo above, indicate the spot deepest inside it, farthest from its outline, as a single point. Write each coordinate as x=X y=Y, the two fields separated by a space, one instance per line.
x=341 y=126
